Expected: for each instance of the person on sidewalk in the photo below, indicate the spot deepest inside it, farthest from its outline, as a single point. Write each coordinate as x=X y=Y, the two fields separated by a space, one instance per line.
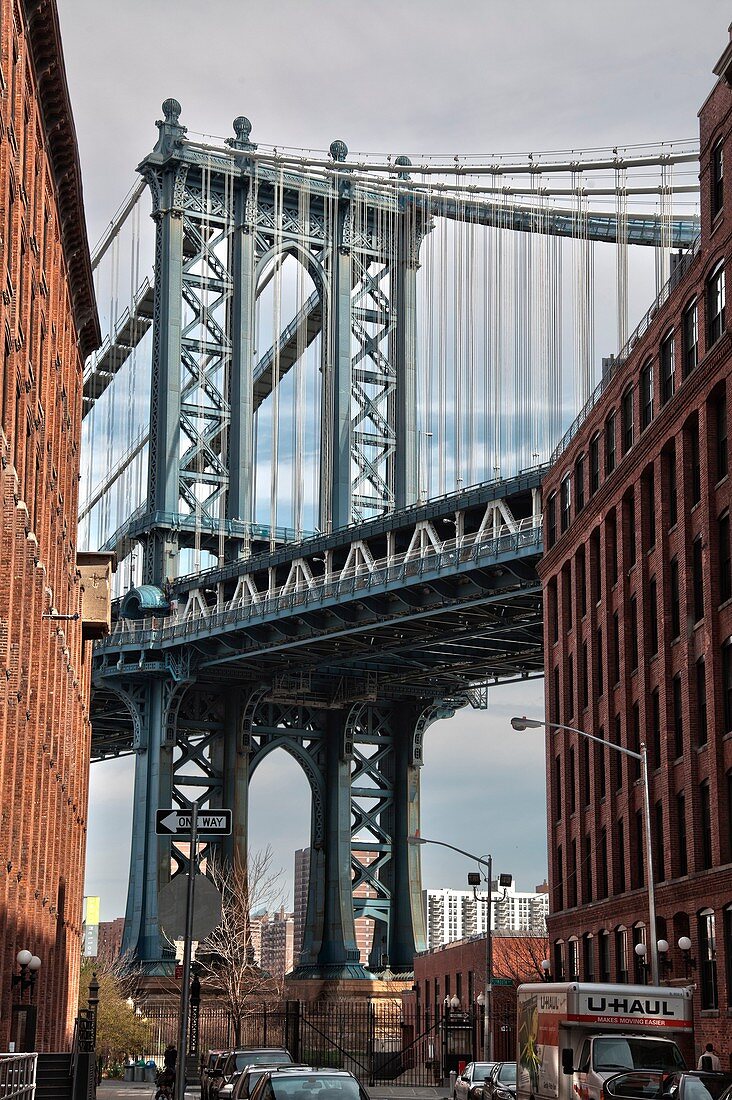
x=709 y=1060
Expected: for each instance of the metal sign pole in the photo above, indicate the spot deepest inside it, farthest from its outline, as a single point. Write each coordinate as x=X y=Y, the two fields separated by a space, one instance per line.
x=180 y=1071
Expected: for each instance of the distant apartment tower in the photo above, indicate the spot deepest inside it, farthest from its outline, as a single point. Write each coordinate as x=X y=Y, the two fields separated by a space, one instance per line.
x=364 y=925
x=277 y=936
x=456 y=914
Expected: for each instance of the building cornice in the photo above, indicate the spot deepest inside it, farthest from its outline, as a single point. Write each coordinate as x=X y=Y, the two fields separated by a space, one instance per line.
x=44 y=42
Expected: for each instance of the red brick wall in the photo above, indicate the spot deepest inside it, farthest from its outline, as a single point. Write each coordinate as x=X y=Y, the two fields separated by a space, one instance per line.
x=579 y=810
x=44 y=665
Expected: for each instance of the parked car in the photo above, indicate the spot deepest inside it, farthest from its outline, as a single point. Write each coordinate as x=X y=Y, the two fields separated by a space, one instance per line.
x=248 y=1078
x=238 y=1060
x=211 y=1072
x=500 y=1084
x=308 y=1084
x=651 y=1084
x=469 y=1084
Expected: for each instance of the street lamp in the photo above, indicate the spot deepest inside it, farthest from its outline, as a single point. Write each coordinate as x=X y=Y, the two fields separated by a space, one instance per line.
x=546 y=968
x=29 y=966
x=488 y=998
x=525 y=723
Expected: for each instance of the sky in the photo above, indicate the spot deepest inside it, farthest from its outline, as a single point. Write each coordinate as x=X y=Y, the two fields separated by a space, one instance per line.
x=472 y=76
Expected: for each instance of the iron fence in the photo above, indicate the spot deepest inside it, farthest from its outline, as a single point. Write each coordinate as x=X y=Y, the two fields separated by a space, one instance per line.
x=18 y=1076
x=379 y=1042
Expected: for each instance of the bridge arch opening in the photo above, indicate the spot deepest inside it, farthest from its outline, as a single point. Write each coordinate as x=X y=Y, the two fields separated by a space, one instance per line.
x=280 y=809
x=477 y=769
x=287 y=388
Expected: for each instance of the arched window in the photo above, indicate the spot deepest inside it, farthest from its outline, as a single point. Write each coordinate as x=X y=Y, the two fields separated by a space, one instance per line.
x=707 y=962
x=715 y=304
x=646 y=394
x=621 y=954
x=572 y=959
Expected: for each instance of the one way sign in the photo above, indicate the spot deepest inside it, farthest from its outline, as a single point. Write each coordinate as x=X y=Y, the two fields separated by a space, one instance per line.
x=174 y=822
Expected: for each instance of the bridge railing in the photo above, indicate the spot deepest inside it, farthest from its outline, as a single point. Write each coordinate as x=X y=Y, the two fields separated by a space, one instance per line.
x=18 y=1076
x=383 y=572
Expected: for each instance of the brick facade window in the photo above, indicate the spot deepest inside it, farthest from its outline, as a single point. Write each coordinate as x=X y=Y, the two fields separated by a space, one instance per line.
x=594 y=464
x=626 y=420
x=655 y=728
x=587 y=869
x=604 y=955
x=633 y=634
x=720 y=409
x=675 y=598
x=630 y=528
x=585 y=678
x=694 y=458
x=602 y=886
x=697 y=574
x=646 y=394
x=551 y=520
x=725 y=557
x=716 y=179
x=610 y=443
x=660 y=868
x=582 y=581
x=708 y=959
x=617 y=758
x=648 y=497
x=669 y=456
x=616 y=649
x=715 y=304
x=681 y=850
x=666 y=356
x=601 y=773
x=588 y=957
x=653 y=616
x=572 y=960
x=702 y=734
x=600 y=677
x=565 y=505
x=620 y=843
x=639 y=936
x=690 y=337
x=640 y=862
x=727 y=684
x=579 y=483
x=595 y=571
x=621 y=955
x=678 y=715
x=571 y=782
x=559 y=961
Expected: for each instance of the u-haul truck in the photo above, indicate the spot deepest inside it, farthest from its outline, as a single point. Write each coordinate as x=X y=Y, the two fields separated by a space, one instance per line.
x=573 y=1036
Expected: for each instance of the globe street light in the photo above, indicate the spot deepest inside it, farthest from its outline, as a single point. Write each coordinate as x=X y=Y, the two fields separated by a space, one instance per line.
x=525 y=723
x=488 y=998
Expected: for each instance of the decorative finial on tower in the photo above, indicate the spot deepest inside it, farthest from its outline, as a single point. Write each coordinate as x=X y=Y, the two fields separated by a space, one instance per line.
x=338 y=150
x=172 y=110
x=403 y=162
x=171 y=131
x=242 y=129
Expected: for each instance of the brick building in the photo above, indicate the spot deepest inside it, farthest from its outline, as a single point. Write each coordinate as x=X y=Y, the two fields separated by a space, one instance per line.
x=458 y=970
x=48 y=324
x=637 y=581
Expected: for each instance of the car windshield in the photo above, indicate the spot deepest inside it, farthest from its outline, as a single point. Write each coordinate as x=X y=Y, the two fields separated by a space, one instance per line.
x=507 y=1073
x=707 y=1088
x=481 y=1070
x=262 y=1058
x=315 y=1087
x=625 y=1052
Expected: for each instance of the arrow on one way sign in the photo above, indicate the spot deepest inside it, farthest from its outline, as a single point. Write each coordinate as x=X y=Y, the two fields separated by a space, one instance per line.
x=173 y=822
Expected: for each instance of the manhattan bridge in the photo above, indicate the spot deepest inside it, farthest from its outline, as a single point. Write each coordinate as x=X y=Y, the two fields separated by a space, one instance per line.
x=315 y=434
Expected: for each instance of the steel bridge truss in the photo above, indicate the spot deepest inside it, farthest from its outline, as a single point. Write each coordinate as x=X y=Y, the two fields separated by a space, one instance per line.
x=340 y=650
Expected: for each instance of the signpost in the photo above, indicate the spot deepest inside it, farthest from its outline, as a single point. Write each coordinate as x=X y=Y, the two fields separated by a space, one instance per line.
x=189 y=906
x=175 y=822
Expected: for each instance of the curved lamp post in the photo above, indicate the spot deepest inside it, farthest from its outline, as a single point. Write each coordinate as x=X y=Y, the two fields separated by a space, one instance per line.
x=488 y=999
x=525 y=723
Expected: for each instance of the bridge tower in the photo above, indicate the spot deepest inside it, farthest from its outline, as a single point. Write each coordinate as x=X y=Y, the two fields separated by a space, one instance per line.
x=220 y=219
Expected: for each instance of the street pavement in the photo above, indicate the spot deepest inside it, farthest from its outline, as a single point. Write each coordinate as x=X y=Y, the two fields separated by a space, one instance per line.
x=123 y=1090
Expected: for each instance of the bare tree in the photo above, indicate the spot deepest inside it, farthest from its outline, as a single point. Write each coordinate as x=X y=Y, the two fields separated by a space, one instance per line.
x=519 y=957
x=227 y=957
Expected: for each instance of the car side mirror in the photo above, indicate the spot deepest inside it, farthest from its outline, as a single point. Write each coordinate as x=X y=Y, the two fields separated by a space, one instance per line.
x=567 y=1061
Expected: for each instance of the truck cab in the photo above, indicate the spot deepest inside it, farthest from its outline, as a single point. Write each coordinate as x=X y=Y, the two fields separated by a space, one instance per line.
x=602 y=1056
